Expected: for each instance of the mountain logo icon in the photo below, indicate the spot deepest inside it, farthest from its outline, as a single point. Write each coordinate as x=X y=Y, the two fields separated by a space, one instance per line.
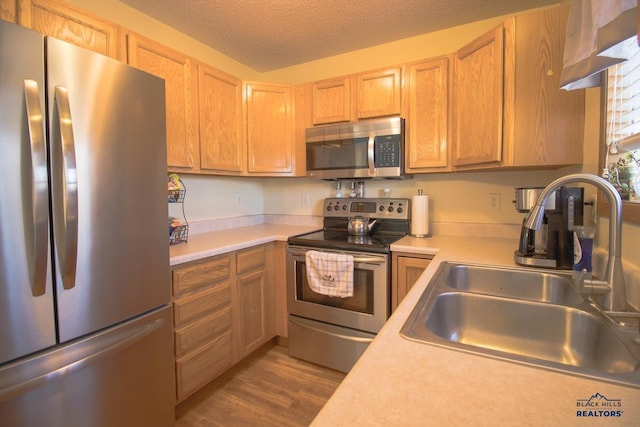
x=599 y=400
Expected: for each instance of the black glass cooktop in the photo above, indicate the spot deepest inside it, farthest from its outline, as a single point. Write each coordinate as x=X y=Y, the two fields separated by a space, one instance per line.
x=341 y=240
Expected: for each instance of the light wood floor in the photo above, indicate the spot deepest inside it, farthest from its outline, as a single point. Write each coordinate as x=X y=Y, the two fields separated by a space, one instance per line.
x=268 y=389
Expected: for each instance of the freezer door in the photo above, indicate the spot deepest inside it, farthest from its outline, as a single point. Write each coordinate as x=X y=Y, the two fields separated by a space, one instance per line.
x=122 y=376
x=109 y=197
x=26 y=293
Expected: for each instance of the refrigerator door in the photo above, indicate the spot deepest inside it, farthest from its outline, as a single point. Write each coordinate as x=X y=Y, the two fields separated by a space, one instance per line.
x=109 y=197
x=26 y=293
x=122 y=376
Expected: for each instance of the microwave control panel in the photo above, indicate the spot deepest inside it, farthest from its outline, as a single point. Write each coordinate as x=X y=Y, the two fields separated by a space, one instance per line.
x=387 y=151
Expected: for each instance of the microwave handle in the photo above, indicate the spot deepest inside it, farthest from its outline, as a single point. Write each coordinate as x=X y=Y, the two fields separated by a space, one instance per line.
x=370 y=154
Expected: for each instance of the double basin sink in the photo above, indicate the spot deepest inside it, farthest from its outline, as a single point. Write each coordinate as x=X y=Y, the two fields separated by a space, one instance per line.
x=529 y=316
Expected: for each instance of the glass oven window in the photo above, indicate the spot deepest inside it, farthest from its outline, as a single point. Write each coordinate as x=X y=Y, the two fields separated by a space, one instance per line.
x=362 y=300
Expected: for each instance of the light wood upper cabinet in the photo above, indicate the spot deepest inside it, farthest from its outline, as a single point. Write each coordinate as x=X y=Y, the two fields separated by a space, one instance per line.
x=427 y=116
x=379 y=93
x=544 y=125
x=478 y=100
x=270 y=129
x=180 y=78
x=509 y=110
x=220 y=109
x=331 y=101
x=71 y=24
x=9 y=10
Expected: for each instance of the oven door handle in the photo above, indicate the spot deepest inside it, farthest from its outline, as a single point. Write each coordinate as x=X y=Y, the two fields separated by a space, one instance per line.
x=369 y=260
x=356 y=259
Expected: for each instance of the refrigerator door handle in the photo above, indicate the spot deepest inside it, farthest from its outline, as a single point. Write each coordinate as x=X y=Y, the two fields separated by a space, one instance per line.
x=66 y=212
x=26 y=380
x=39 y=190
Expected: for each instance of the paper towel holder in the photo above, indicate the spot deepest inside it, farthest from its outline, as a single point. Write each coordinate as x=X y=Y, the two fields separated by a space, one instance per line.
x=420 y=209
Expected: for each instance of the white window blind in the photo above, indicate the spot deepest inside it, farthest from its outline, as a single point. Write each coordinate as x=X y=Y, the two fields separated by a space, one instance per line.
x=623 y=127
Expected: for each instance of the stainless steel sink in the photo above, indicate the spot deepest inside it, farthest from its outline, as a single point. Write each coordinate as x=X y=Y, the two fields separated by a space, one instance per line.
x=491 y=312
x=513 y=283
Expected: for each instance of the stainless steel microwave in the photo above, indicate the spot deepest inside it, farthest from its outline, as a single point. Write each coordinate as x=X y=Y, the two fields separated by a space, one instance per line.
x=367 y=149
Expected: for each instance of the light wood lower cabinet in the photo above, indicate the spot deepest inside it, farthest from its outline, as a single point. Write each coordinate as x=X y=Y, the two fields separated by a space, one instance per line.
x=224 y=309
x=202 y=306
x=255 y=301
x=406 y=269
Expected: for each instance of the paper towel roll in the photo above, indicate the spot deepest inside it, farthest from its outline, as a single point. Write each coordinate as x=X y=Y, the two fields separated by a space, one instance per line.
x=420 y=215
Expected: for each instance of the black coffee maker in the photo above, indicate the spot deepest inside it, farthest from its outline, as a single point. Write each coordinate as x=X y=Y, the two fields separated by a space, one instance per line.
x=552 y=245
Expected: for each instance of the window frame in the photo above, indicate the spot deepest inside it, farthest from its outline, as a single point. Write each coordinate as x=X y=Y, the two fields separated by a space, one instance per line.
x=630 y=211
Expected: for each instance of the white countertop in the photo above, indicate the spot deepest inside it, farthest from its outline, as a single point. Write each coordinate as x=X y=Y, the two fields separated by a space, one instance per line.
x=223 y=241
x=400 y=382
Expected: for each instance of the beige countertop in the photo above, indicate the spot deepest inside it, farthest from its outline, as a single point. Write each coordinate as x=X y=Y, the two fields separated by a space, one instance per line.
x=399 y=382
x=219 y=242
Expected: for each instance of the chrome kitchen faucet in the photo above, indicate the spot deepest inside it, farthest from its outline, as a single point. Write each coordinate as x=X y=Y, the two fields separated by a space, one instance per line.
x=612 y=286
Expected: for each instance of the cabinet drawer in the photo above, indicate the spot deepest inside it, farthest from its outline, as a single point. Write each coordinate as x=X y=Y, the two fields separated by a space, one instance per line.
x=199 y=304
x=197 y=368
x=251 y=258
x=201 y=274
x=202 y=331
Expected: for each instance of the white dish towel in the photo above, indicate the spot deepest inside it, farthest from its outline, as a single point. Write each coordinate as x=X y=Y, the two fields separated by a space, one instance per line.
x=330 y=273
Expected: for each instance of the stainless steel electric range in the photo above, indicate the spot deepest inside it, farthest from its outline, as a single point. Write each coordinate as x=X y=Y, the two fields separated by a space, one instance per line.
x=334 y=331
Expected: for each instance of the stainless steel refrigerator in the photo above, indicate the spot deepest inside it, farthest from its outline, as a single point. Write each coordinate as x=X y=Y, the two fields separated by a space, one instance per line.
x=85 y=320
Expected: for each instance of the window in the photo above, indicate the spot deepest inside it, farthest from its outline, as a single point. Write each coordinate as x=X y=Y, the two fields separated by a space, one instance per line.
x=622 y=158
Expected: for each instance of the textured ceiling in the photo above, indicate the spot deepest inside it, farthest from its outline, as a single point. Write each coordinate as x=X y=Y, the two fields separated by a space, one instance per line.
x=271 y=34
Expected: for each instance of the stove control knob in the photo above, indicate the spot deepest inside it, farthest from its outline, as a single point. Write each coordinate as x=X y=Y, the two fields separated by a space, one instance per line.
x=399 y=210
x=344 y=207
x=329 y=208
x=390 y=209
x=381 y=208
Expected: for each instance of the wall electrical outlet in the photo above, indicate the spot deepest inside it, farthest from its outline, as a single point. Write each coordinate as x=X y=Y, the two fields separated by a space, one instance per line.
x=304 y=199
x=494 y=201
x=239 y=199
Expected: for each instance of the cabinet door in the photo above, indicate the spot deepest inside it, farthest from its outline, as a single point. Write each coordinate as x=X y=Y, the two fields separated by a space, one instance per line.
x=478 y=98
x=428 y=116
x=270 y=128
x=72 y=25
x=544 y=125
x=180 y=80
x=197 y=368
x=379 y=93
x=254 y=323
x=331 y=101
x=220 y=102
x=255 y=299
x=406 y=271
x=9 y=10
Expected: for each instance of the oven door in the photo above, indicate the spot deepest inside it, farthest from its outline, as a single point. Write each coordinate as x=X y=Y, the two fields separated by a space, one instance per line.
x=367 y=310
